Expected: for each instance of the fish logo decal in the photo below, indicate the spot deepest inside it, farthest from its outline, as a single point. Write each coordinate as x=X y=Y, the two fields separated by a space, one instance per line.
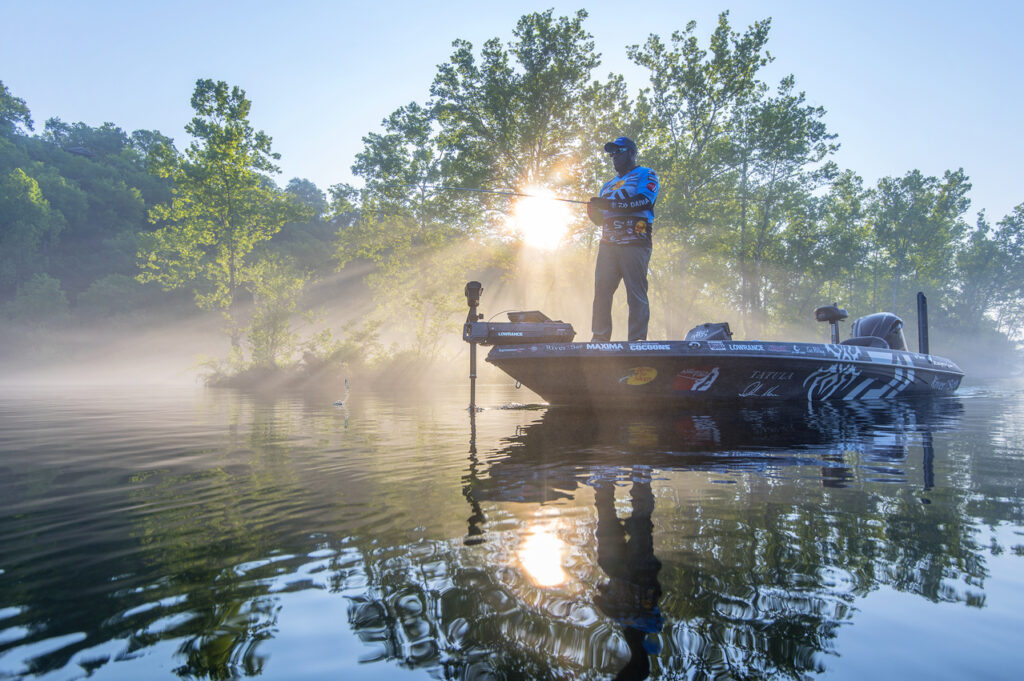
x=639 y=376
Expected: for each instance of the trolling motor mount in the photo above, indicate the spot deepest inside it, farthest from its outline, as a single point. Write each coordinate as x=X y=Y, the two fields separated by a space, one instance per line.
x=523 y=326
x=833 y=314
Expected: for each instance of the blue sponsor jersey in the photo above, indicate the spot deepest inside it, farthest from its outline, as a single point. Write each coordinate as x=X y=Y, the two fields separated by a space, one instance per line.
x=625 y=226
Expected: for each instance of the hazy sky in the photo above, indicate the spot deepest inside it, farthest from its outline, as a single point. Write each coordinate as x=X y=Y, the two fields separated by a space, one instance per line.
x=927 y=84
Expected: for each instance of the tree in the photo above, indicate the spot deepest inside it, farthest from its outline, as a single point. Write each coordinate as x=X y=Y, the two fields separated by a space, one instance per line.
x=306 y=193
x=276 y=285
x=512 y=116
x=776 y=146
x=515 y=118
x=222 y=206
x=683 y=127
x=14 y=113
x=917 y=222
x=29 y=227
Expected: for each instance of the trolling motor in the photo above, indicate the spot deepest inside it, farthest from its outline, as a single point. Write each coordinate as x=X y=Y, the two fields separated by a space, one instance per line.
x=522 y=327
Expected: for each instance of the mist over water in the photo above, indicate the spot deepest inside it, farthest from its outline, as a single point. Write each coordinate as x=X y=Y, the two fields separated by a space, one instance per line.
x=201 y=533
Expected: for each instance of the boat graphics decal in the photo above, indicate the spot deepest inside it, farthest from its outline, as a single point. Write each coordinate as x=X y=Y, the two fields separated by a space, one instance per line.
x=778 y=348
x=759 y=389
x=695 y=379
x=646 y=347
x=639 y=376
x=844 y=353
x=716 y=345
x=749 y=347
x=942 y=362
x=903 y=377
x=825 y=381
x=772 y=375
x=945 y=384
x=881 y=357
x=605 y=346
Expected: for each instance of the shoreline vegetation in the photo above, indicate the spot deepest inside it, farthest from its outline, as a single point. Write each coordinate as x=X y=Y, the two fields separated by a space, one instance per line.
x=114 y=244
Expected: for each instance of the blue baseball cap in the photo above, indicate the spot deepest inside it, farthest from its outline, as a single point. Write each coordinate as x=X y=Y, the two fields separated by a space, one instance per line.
x=620 y=142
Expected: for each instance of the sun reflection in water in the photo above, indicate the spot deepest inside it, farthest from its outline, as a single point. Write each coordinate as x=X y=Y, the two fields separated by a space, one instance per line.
x=541 y=555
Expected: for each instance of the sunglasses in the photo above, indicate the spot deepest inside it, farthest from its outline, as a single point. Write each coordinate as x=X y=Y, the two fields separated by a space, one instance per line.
x=620 y=150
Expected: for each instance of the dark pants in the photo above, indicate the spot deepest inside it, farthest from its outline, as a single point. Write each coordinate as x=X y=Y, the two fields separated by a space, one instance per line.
x=614 y=264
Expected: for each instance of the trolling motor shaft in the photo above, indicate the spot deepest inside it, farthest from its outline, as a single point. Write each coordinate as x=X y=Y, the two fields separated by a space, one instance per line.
x=473 y=291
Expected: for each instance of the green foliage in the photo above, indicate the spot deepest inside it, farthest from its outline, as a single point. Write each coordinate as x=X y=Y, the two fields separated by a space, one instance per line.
x=14 y=113
x=276 y=285
x=112 y=295
x=28 y=228
x=38 y=301
x=917 y=223
x=222 y=205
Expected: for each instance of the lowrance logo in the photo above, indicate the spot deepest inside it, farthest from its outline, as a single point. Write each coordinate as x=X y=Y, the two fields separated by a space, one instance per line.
x=510 y=333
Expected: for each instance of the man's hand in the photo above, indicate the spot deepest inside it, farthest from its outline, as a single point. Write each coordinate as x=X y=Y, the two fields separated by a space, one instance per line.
x=597 y=203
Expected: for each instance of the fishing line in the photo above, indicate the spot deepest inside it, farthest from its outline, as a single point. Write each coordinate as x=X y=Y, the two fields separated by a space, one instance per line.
x=495 y=191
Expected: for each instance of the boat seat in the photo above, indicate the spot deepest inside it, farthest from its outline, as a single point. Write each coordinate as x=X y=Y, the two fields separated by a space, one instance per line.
x=866 y=341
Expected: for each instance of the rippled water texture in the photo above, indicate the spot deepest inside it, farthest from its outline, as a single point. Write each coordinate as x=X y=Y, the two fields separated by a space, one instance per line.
x=204 y=534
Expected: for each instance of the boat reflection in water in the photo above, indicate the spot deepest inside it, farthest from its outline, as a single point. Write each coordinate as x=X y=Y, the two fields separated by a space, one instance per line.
x=562 y=576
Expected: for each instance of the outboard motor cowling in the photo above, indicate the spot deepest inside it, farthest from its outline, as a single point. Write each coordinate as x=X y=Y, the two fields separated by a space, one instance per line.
x=884 y=325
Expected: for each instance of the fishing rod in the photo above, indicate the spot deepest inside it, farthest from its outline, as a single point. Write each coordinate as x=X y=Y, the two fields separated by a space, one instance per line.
x=500 y=193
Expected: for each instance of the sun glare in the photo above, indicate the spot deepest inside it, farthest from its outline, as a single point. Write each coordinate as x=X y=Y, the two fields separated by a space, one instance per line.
x=542 y=222
x=540 y=554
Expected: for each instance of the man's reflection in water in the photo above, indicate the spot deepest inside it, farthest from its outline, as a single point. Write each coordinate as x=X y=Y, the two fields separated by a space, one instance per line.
x=630 y=597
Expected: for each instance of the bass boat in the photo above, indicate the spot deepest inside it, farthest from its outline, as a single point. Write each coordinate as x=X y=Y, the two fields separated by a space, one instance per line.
x=873 y=364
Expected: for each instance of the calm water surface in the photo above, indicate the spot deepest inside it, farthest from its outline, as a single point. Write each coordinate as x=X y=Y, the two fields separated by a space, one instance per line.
x=202 y=534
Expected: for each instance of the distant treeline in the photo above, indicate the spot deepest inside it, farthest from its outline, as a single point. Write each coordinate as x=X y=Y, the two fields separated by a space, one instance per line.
x=754 y=216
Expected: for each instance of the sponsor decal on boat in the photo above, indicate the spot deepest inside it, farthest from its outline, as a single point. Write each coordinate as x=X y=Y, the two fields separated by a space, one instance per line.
x=605 y=346
x=693 y=345
x=844 y=353
x=772 y=375
x=799 y=350
x=509 y=333
x=557 y=348
x=942 y=362
x=816 y=349
x=759 y=389
x=643 y=347
x=502 y=351
x=945 y=384
x=639 y=376
x=695 y=379
x=533 y=348
x=778 y=348
x=749 y=347
x=716 y=345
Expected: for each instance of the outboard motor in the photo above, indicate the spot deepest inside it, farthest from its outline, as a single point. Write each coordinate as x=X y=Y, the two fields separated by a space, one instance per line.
x=884 y=325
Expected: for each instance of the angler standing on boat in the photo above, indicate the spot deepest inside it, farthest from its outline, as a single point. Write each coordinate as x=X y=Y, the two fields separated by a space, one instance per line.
x=625 y=211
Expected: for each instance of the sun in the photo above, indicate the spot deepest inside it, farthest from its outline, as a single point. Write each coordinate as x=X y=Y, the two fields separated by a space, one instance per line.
x=541 y=220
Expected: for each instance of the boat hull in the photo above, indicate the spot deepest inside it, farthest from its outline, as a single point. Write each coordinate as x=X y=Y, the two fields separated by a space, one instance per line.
x=684 y=371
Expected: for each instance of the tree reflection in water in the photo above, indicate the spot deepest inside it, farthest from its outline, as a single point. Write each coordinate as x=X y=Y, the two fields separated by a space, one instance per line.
x=697 y=544
x=757 y=579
